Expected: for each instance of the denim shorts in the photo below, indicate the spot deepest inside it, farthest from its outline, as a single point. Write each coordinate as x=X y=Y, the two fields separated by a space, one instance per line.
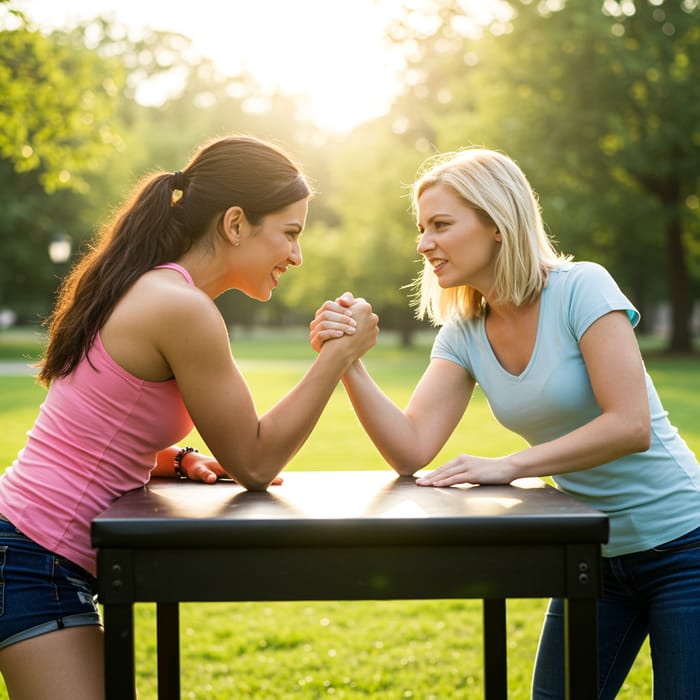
x=40 y=591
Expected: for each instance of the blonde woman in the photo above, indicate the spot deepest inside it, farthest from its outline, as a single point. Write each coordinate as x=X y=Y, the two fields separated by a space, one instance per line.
x=551 y=343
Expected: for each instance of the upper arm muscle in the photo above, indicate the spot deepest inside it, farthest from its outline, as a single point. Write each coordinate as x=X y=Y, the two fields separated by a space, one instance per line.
x=615 y=366
x=213 y=388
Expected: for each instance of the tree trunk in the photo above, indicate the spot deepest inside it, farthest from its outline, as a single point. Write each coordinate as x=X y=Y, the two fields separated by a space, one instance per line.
x=407 y=335
x=406 y=327
x=679 y=289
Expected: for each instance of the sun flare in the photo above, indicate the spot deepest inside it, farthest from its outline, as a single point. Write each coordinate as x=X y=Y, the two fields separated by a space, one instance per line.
x=331 y=55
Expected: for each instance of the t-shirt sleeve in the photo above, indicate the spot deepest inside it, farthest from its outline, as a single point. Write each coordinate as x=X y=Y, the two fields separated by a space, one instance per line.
x=451 y=345
x=594 y=293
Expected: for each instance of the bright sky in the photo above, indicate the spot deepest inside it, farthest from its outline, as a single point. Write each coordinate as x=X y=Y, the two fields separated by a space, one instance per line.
x=331 y=51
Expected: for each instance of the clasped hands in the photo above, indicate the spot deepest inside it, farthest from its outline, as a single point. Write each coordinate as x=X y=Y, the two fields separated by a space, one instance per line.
x=338 y=318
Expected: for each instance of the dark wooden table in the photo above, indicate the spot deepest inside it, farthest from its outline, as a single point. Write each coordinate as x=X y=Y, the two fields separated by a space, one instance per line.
x=361 y=535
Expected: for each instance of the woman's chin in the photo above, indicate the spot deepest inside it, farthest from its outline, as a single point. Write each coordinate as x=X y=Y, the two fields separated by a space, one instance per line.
x=257 y=294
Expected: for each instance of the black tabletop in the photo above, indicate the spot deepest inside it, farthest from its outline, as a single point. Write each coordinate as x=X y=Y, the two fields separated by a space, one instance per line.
x=343 y=508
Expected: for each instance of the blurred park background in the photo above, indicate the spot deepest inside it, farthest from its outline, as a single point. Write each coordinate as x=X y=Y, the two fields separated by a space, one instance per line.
x=598 y=100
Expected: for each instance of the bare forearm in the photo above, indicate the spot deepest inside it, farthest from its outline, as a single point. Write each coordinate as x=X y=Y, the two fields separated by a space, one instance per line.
x=602 y=440
x=265 y=444
x=164 y=462
x=393 y=432
x=287 y=425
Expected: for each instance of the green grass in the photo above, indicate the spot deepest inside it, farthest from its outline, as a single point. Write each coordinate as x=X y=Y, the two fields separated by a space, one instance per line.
x=367 y=649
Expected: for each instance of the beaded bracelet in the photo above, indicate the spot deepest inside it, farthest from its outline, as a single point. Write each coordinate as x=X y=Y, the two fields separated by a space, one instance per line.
x=177 y=461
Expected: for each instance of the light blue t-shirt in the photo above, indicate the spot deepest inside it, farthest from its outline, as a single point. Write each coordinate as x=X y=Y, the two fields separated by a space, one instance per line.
x=650 y=497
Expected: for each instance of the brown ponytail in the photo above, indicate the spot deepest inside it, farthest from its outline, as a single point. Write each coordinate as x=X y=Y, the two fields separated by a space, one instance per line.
x=164 y=216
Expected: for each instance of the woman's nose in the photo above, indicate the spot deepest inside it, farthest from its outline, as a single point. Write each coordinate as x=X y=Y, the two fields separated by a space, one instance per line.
x=296 y=257
x=424 y=243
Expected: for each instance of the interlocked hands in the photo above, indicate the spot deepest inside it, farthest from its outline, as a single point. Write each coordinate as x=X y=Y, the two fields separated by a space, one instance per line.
x=347 y=315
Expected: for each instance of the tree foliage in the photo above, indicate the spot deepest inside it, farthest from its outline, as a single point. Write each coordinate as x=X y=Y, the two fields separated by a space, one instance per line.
x=74 y=138
x=57 y=106
x=599 y=104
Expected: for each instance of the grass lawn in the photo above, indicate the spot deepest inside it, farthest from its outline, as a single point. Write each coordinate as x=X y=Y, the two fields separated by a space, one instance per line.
x=379 y=650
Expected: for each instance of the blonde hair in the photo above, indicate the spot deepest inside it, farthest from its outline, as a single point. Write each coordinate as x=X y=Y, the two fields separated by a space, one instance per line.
x=494 y=186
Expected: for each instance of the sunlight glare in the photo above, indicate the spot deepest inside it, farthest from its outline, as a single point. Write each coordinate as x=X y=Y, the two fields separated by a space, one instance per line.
x=331 y=55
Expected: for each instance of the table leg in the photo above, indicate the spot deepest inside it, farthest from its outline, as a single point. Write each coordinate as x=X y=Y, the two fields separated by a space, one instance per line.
x=120 y=683
x=581 y=621
x=495 y=653
x=168 y=631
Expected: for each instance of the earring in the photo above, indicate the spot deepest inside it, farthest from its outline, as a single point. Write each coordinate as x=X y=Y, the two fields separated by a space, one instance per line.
x=235 y=229
x=236 y=242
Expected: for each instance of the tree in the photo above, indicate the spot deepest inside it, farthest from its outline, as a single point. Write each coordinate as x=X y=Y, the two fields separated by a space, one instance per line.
x=74 y=138
x=57 y=107
x=29 y=221
x=55 y=127
x=602 y=109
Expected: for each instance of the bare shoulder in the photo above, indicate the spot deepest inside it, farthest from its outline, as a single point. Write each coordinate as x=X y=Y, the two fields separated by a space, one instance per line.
x=168 y=296
x=152 y=319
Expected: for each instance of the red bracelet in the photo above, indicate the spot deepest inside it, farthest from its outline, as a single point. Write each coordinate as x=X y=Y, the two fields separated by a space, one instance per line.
x=177 y=461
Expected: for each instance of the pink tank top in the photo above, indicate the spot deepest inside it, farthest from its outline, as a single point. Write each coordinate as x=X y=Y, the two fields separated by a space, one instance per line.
x=96 y=437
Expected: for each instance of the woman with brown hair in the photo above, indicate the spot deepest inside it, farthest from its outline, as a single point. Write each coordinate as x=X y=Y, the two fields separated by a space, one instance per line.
x=137 y=355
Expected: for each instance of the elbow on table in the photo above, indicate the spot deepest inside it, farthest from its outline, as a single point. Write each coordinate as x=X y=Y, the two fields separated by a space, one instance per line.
x=403 y=470
x=253 y=479
x=250 y=483
x=408 y=466
x=256 y=485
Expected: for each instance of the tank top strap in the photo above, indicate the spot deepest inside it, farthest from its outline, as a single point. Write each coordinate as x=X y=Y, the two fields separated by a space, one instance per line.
x=178 y=268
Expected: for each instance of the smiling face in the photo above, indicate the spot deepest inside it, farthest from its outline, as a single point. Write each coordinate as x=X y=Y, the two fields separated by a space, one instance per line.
x=268 y=249
x=458 y=244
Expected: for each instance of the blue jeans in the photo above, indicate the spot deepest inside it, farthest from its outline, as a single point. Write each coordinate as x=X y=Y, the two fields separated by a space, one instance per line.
x=655 y=593
x=40 y=591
